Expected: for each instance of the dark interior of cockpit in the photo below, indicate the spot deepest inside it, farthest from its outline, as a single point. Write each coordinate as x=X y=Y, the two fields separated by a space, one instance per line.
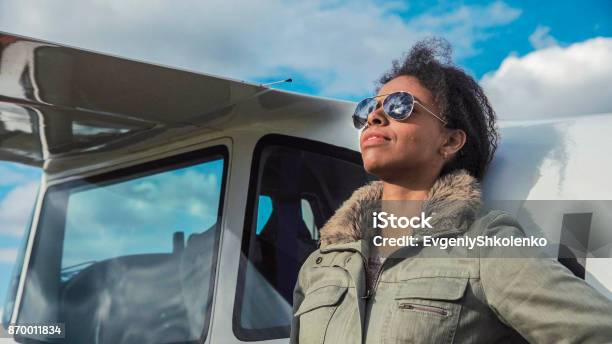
x=297 y=191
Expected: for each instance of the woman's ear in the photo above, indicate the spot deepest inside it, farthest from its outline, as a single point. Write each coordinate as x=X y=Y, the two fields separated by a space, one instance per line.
x=455 y=139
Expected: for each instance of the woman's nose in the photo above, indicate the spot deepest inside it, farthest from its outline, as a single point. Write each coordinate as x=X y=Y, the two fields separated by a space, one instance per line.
x=377 y=117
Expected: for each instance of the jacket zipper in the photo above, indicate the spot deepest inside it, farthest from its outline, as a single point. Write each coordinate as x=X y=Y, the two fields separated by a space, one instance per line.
x=374 y=286
x=365 y=267
x=424 y=308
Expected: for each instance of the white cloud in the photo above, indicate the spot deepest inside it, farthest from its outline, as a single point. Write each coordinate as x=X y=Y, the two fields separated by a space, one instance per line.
x=541 y=38
x=341 y=46
x=15 y=209
x=467 y=24
x=553 y=82
x=8 y=255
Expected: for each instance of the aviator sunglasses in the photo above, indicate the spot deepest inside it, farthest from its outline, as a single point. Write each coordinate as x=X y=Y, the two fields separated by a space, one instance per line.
x=397 y=105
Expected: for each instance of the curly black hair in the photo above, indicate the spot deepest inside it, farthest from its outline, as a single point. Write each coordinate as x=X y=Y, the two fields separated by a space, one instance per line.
x=463 y=103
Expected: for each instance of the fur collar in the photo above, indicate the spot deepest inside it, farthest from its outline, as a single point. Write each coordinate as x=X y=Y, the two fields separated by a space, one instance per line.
x=454 y=200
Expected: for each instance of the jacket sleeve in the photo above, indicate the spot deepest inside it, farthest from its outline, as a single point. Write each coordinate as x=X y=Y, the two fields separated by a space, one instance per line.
x=539 y=297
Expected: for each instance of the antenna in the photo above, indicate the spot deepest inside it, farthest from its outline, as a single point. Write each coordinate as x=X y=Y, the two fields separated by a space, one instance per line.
x=276 y=82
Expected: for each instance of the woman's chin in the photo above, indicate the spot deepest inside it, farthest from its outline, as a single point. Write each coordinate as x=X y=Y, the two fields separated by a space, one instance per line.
x=374 y=166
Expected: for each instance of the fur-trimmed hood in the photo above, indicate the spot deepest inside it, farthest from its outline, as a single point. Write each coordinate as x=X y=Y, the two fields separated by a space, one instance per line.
x=454 y=201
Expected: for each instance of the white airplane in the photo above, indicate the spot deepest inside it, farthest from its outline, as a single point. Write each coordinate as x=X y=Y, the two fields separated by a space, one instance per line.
x=177 y=207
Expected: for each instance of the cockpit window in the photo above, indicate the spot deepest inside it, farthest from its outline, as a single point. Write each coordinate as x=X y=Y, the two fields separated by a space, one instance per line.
x=296 y=185
x=130 y=257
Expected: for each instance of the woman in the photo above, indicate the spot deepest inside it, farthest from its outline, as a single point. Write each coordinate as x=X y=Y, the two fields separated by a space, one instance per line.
x=429 y=135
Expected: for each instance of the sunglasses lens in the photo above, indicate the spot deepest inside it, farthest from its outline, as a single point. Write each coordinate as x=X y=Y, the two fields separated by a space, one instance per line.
x=364 y=108
x=399 y=105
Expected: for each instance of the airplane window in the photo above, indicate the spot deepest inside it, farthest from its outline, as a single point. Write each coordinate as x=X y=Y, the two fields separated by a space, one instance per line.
x=302 y=189
x=130 y=257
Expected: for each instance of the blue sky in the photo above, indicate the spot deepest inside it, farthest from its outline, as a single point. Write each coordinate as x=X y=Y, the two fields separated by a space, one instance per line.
x=339 y=48
x=566 y=21
x=559 y=51
x=569 y=22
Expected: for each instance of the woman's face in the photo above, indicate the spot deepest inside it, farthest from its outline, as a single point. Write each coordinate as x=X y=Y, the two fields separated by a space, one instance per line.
x=410 y=146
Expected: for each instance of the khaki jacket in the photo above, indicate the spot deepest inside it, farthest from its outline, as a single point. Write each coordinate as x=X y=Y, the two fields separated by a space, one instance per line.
x=467 y=296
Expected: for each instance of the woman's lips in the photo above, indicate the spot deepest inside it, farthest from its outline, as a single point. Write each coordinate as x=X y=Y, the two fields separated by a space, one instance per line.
x=374 y=140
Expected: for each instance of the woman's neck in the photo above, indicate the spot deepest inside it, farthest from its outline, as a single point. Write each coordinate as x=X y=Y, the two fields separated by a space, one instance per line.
x=406 y=190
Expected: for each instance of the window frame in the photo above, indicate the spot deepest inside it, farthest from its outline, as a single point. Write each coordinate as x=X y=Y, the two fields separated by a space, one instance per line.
x=286 y=141
x=148 y=168
x=17 y=269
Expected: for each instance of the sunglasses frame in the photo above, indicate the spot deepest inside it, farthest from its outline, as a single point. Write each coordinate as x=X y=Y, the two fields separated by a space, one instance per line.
x=409 y=113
